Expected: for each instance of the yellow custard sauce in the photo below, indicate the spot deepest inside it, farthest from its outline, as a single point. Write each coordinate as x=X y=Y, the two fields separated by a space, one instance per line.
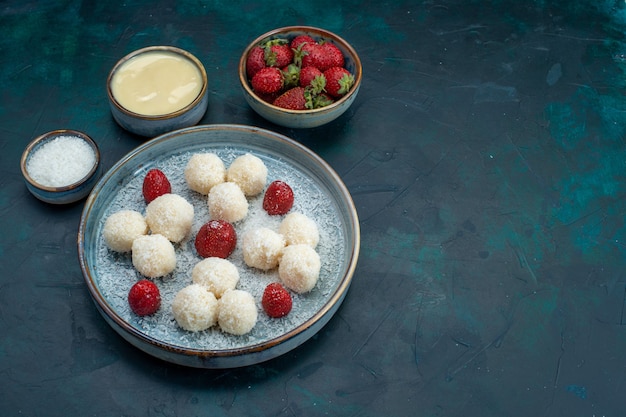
x=156 y=83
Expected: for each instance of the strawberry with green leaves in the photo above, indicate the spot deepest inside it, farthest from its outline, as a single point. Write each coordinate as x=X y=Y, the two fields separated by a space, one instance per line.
x=312 y=55
x=268 y=80
x=338 y=81
x=312 y=76
x=278 y=53
x=299 y=74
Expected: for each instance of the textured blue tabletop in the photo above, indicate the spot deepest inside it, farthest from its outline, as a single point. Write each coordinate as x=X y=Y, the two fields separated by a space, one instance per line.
x=486 y=156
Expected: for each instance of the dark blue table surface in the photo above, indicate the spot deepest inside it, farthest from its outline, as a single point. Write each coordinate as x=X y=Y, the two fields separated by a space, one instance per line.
x=486 y=156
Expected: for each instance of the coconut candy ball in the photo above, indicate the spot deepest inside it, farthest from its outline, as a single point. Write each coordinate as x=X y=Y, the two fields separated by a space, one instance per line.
x=262 y=248
x=171 y=216
x=195 y=308
x=249 y=172
x=237 y=312
x=227 y=202
x=299 y=268
x=153 y=256
x=122 y=228
x=203 y=171
x=298 y=228
x=216 y=274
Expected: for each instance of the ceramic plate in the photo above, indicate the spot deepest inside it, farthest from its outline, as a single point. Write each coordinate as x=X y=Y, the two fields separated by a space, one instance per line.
x=319 y=194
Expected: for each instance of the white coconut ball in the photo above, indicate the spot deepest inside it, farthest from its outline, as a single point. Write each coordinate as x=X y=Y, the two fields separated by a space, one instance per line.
x=237 y=312
x=195 y=308
x=171 y=216
x=262 y=248
x=203 y=171
x=227 y=202
x=153 y=255
x=297 y=228
x=122 y=228
x=299 y=268
x=216 y=274
x=249 y=172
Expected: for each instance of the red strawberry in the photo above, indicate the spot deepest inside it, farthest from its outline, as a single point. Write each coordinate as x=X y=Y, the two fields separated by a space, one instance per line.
x=155 y=184
x=144 y=298
x=333 y=56
x=267 y=80
x=276 y=300
x=308 y=74
x=338 y=81
x=299 y=40
x=312 y=55
x=278 y=55
x=255 y=61
x=292 y=99
x=217 y=238
x=278 y=198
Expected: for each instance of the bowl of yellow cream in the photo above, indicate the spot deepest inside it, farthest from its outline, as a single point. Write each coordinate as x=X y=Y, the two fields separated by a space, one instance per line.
x=157 y=89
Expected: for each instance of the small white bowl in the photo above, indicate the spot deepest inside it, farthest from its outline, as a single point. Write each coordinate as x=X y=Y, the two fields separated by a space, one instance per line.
x=131 y=115
x=302 y=118
x=66 y=193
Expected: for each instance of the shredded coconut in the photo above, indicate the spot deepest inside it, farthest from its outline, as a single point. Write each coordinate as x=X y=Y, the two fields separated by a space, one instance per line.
x=62 y=161
x=115 y=272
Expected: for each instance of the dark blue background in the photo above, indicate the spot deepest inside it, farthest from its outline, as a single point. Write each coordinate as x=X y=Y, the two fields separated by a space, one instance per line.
x=486 y=157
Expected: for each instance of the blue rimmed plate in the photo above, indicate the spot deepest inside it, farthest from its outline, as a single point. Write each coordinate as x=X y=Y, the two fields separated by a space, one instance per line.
x=319 y=193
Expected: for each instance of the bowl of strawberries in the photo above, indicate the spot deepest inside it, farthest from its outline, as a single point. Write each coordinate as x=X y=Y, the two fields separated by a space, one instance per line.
x=300 y=76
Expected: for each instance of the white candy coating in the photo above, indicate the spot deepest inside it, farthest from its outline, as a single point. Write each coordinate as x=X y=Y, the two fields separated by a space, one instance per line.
x=262 y=248
x=204 y=171
x=297 y=228
x=216 y=274
x=61 y=161
x=227 y=202
x=249 y=172
x=237 y=312
x=195 y=308
x=153 y=255
x=122 y=228
x=171 y=216
x=299 y=268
